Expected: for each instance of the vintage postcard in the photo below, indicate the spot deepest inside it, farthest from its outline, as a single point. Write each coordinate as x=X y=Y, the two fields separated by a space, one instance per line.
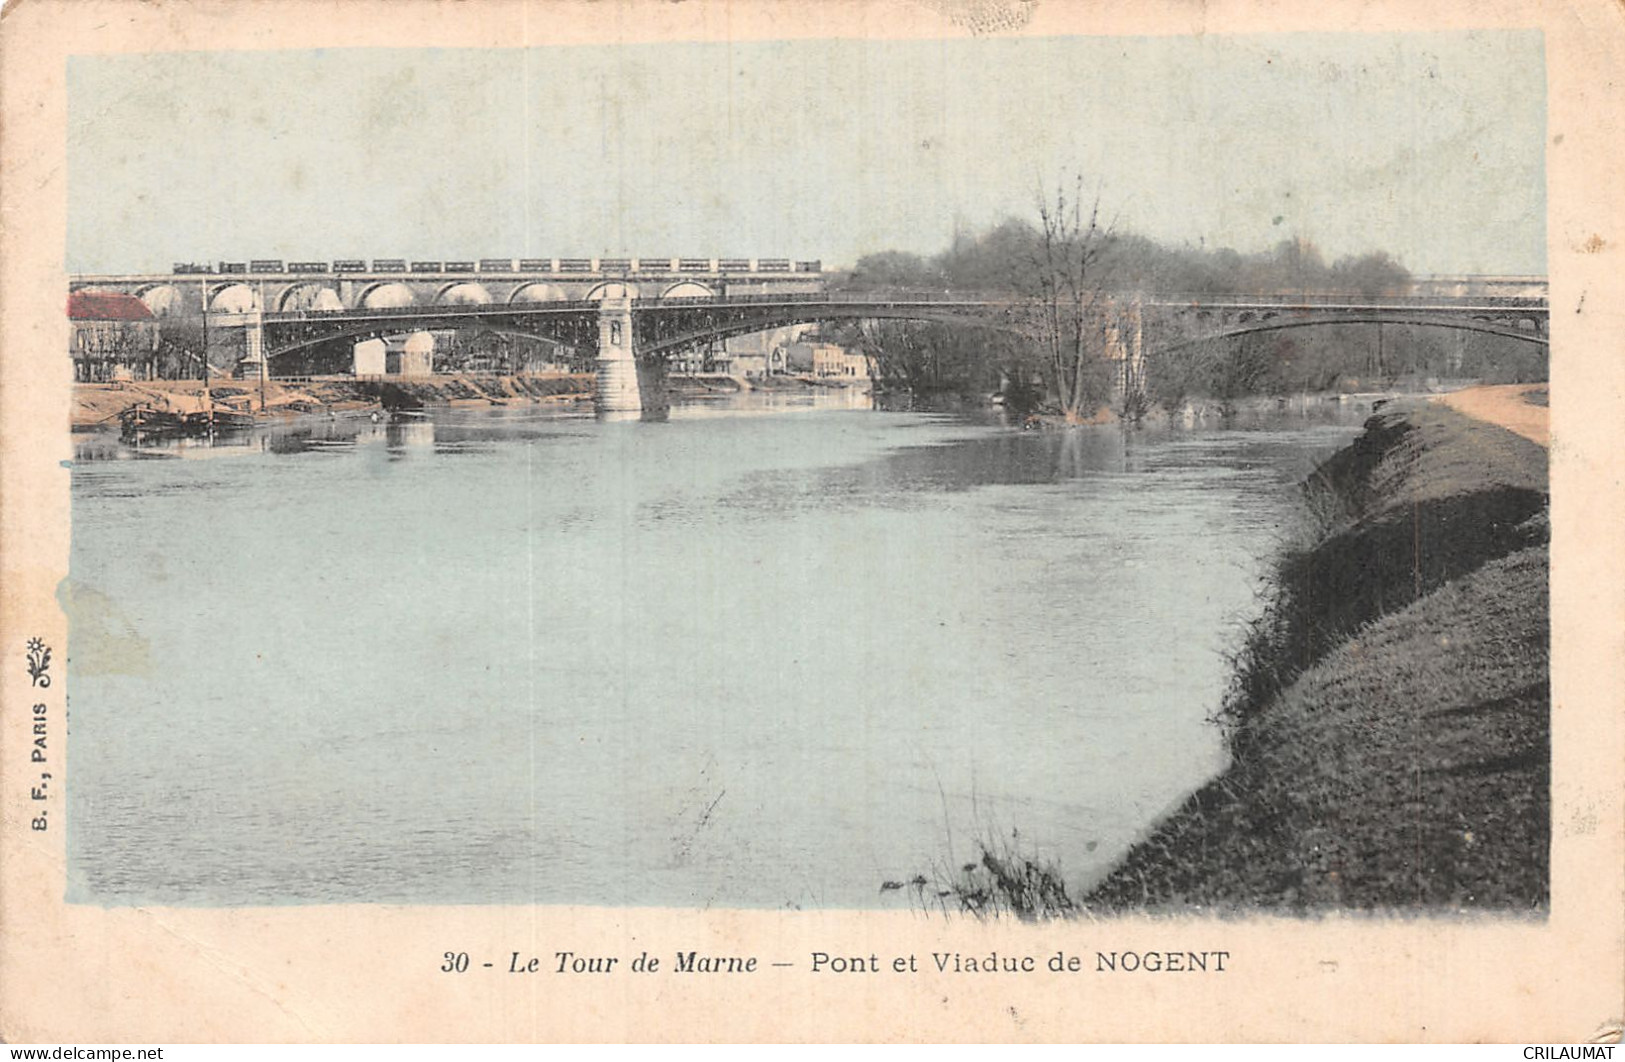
x=910 y=520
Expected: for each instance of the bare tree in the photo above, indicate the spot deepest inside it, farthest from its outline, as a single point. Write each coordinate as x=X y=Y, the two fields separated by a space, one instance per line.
x=1068 y=281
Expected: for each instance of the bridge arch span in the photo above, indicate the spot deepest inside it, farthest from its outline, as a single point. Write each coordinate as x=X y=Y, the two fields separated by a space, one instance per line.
x=519 y=333
x=674 y=340
x=233 y=298
x=162 y=299
x=381 y=330
x=538 y=291
x=386 y=295
x=463 y=293
x=612 y=289
x=308 y=295
x=1481 y=325
x=688 y=289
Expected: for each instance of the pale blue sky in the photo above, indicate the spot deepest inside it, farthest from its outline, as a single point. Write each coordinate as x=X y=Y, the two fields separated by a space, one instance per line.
x=1430 y=146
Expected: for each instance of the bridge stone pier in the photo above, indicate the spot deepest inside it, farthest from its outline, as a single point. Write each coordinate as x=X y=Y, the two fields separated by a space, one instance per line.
x=1124 y=326
x=619 y=389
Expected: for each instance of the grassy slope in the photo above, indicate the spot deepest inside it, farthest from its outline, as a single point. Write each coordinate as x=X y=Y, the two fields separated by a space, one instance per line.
x=1393 y=715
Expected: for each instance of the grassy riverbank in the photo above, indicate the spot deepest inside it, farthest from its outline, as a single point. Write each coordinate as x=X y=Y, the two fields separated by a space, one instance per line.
x=1390 y=717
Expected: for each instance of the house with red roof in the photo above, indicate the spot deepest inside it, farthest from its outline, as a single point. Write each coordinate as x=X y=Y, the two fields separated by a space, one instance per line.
x=113 y=337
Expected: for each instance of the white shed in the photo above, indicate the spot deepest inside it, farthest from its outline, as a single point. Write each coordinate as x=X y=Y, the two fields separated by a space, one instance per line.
x=369 y=357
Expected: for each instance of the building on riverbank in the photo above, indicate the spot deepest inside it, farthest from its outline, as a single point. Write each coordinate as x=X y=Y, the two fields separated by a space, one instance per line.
x=112 y=337
x=752 y=356
x=408 y=355
x=762 y=353
x=826 y=360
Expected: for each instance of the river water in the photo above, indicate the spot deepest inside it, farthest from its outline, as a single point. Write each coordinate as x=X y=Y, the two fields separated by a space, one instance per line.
x=761 y=654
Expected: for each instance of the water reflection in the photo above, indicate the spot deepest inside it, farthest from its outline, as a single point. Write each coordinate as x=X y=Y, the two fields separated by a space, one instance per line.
x=770 y=656
x=446 y=427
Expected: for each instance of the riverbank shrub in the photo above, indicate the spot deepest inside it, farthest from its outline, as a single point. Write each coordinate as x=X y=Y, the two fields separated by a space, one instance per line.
x=1003 y=881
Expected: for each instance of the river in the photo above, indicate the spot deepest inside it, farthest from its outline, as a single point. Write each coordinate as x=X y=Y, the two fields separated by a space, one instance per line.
x=765 y=653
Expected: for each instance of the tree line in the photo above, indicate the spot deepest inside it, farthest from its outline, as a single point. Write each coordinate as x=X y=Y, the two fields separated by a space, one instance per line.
x=1008 y=257
x=1078 y=274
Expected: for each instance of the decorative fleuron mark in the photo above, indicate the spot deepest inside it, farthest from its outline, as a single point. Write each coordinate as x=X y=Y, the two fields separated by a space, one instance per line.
x=39 y=662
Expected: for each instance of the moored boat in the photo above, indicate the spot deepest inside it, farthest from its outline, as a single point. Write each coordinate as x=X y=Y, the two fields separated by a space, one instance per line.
x=220 y=420
x=181 y=418
x=145 y=421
